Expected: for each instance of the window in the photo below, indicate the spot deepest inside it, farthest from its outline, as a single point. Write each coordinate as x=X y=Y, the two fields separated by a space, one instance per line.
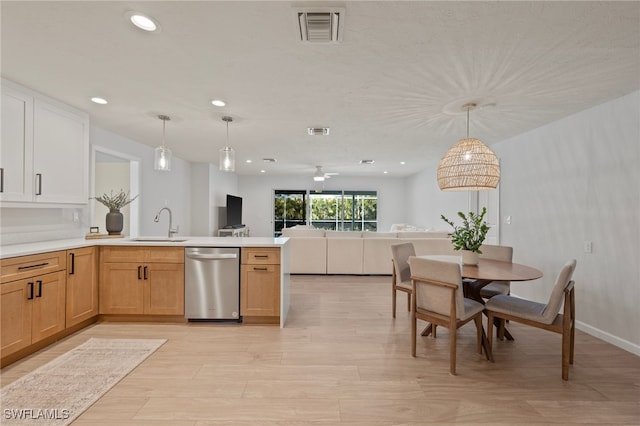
x=360 y=211
x=289 y=209
x=326 y=209
x=331 y=210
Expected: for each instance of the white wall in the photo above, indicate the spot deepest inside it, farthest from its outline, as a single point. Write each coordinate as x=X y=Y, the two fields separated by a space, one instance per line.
x=209 y=188
x=426 y=202
x=573 y=181
x=157 y=189
x=257 y=197
x=200 y=216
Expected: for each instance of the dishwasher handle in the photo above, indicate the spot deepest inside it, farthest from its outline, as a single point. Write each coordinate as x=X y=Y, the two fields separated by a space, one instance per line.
x=218 y=256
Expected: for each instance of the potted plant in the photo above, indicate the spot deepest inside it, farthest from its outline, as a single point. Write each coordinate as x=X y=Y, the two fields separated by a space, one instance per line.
x=469 y=236
x=114 y=202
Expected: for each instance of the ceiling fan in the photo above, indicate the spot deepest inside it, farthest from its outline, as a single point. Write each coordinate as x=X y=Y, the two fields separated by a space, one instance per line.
x=320 y=176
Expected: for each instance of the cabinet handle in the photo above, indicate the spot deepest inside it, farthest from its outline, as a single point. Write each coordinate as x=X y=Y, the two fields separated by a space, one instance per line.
x=140 y=272
x=145 y=273
x=37 y=265
x=255 y=268
x=73 y=263
x=39 y=288
x=30 y=291
x=264 y=256
x=38 y=183
x=1 y=179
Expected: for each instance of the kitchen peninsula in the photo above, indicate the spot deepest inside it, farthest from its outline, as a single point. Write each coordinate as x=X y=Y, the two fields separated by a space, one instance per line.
x=54 y=288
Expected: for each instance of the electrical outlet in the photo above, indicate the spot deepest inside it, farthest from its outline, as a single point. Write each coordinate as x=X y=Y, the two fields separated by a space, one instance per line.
x=588 y=247
x=507 y=220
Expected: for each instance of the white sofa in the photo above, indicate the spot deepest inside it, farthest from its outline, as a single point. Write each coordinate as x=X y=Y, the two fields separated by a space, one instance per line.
x=307 y=250
x=315 y=251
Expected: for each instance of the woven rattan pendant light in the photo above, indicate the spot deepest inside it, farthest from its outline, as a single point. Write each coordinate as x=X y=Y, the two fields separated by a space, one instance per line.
x=469 y=165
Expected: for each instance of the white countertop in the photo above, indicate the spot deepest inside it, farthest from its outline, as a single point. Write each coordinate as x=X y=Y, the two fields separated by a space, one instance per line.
x=47 y=246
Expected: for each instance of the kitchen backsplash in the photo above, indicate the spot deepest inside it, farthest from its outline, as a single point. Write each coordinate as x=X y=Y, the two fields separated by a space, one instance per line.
x=28 y=225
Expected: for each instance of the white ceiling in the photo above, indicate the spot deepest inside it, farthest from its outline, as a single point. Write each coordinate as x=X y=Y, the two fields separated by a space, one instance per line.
x=391 y=91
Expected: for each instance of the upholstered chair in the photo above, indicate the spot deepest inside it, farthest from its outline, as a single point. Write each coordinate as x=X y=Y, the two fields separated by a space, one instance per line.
x=401 y=274
x=438 y=298
x=504 y=254
x=540 y=315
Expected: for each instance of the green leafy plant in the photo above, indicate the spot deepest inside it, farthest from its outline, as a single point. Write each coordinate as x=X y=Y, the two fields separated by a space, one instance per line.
x=115 y=201
x=471 y=234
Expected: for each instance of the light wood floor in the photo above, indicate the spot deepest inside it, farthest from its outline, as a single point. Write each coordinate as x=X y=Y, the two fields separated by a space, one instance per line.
x=342 y=360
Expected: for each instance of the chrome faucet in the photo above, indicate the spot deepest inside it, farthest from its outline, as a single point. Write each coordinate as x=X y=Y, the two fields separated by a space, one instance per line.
x=172 y=231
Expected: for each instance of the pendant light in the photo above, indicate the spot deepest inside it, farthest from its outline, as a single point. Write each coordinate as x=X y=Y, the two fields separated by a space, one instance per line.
x=469 y=165
x=227 y=154
x=162 y=159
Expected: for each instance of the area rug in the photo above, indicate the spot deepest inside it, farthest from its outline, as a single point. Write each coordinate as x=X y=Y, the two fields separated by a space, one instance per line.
x=59 y=391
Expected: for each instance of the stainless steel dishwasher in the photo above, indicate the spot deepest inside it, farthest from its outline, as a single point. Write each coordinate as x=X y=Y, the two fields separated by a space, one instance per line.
x=212 y=283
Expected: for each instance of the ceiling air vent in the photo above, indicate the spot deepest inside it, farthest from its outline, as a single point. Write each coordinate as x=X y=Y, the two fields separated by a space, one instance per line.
x=318 y=131
x=320 y=25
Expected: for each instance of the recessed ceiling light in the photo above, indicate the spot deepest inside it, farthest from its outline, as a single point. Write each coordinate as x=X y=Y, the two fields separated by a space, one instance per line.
x=263 y=171
x=218 y=103
x=144 y=22
x=249 y=161
x=98 y=100
x=403 y=162
x=385 y=172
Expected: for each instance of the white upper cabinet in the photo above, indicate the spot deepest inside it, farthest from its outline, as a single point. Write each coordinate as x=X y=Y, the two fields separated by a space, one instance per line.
x=45 y=150
x=16 y=149
x=60 y=154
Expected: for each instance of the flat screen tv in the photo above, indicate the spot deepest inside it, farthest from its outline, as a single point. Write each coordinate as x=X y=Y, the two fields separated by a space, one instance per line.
x=234 y=210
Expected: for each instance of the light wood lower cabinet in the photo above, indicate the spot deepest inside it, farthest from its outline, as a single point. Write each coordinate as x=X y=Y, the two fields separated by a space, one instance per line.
x=15 y=308
x=260 y=285
x=140 y=286
x=82 y=285
x=31 y=309
x=164 y=292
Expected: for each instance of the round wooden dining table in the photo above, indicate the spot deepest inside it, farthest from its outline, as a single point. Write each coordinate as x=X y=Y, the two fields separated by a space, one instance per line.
x=486 y=271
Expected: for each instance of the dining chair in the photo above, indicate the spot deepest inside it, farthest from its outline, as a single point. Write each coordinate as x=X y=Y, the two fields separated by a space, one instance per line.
x=438 y=298
x=504 y=254
x=401 y=275
x=542 y=316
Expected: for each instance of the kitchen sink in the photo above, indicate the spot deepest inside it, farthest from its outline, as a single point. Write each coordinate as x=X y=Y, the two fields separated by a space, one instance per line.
x=158 y=240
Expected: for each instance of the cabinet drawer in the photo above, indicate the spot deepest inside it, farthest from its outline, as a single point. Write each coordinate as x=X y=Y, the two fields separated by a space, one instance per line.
x=261 y=256
x=16 y=268
x=122 y=254
x=165 y=255
x=142 y=254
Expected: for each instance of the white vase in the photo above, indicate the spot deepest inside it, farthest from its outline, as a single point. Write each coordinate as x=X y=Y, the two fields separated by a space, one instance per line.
x=469 y=257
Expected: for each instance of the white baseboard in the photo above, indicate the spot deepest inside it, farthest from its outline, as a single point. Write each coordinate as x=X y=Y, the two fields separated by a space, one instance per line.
x=609 y=338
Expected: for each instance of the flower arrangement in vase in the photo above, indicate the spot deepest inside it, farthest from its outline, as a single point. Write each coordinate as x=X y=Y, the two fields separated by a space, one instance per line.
x=469 y=236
